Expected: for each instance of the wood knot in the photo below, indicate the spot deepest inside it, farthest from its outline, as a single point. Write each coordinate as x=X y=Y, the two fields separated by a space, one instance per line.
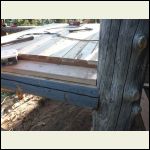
x=133 y=95
x=136 y=108
x=140 y=42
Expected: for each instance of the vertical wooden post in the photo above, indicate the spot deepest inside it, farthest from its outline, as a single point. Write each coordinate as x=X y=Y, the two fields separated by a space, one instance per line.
x=123 y=55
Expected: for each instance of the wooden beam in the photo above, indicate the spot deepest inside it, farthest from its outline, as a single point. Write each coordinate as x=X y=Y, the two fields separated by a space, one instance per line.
x=59 y=60
x=71 y=98
x=70 y=87
x=122 y=61
x=54 y=71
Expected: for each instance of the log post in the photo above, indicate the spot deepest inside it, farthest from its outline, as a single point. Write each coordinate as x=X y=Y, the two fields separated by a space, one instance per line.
x=122 y=62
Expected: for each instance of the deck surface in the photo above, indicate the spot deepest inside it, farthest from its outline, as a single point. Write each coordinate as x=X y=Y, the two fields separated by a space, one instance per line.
x=49 y=55
x=54 y=71
x=51 y=45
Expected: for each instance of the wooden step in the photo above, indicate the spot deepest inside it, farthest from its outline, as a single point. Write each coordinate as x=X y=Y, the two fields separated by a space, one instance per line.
x=75 y=74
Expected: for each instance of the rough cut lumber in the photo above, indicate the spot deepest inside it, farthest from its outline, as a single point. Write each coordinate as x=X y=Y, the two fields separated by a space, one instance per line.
x=59 y=60
x=75 y=88
x=18 y=40
x=123 y=53
x=72 y=98
x=54 y=71
x=51 y=45
x=88 y=49
x=35 y=30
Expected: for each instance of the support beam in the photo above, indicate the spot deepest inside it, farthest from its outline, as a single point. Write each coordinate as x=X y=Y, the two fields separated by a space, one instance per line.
x=122 y=61
x=54 y=94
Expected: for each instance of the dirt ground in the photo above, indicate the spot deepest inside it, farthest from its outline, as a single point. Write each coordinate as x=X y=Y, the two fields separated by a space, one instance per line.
x=34 y=113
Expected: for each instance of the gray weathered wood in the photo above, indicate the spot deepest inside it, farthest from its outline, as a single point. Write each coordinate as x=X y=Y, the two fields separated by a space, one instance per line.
x=73 y=74
x=123 y=51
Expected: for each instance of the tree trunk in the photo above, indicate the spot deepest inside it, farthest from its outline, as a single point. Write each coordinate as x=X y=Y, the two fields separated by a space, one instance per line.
x=123 y=57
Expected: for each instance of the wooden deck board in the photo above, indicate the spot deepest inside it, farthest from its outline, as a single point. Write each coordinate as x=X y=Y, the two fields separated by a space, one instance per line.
x=35 y=30
x=53 y=46
x=54 y=71
x=88 y=49
x=94 y=55
x=77 y=49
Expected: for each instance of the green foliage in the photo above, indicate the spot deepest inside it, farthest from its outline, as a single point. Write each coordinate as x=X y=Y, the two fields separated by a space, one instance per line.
x=28 y=22
x=39 y=22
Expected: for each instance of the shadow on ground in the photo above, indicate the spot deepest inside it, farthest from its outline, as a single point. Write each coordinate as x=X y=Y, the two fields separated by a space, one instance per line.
x=39 y=114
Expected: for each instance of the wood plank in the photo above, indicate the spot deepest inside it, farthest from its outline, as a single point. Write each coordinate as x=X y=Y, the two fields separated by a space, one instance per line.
x=65 y=45
x=40 y=43
x=94 y=54
x=88 y=49
x=72 y=53
x=75 y=99
x=9 y=54
x=59 y=60
x=51 y=45
x=75 y=88
x=40 y=29
x=54 y=71
x=145 y=109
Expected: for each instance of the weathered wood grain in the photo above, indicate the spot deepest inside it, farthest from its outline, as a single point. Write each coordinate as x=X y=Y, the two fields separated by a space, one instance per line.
x=59 y=60
x=88 y=49
x=54 y=71
x=120 y=73
x=51 y=45
x=75 y=99
x=35 y=30
x=72 y=53
x=135 y=77
x=94 y=54
x=75 y=88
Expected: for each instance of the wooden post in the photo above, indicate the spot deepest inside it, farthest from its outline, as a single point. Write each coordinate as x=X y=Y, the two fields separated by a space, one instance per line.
x=123 y=55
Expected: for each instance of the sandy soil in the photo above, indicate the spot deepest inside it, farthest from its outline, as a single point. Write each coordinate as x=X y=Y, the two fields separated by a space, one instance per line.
x=34 y=113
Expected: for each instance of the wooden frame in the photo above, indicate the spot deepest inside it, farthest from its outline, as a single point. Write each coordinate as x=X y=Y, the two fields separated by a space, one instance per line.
x=77 y=94
x=122 y=61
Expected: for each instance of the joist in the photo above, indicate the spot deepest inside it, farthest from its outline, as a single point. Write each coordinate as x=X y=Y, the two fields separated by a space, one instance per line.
x=65 y=86
x=75 y=99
